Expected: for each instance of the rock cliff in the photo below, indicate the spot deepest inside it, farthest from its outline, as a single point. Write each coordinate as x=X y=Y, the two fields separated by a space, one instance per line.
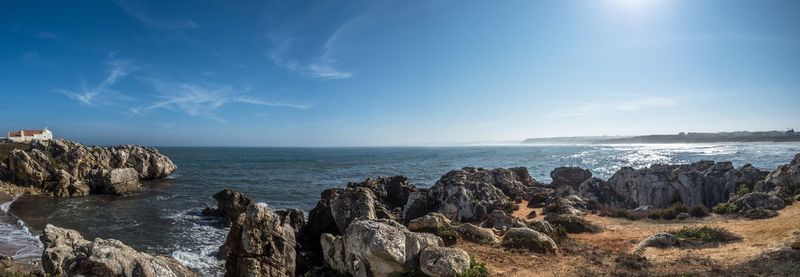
x=66 y=168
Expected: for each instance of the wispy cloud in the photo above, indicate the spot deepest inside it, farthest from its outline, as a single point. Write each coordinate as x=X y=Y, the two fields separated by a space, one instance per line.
x=46 y=35
x=203 y=100
x=102 y=93
x=639 y=103
x=140 y=14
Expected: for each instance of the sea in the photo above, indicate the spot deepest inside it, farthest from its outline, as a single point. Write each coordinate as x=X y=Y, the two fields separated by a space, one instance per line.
x=165 y=217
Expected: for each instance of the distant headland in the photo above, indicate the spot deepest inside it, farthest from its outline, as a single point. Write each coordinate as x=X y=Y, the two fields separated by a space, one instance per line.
x=739 y=136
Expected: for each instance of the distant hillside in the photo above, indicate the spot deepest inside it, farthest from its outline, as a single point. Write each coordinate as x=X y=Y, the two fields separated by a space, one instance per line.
x=741 y=136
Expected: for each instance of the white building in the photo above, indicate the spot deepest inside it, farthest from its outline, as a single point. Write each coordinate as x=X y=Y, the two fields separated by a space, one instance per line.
x=29 y=135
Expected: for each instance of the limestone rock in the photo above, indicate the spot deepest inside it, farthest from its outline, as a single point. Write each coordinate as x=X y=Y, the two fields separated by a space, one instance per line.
x=756 y=200
x=659 y=240
x=117 y=181
x=376 y=248
x=432 y=221
x=353 y=204
x=784 y=181
x=68 y=253
x=498 y=219
x=230 y=204
x=530 y=239
x=443 y=261
x=262 y=242
x=569 y=176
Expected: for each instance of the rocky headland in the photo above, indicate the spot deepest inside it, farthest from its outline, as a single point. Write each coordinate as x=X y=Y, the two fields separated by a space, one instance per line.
x=657 y=221
x=65 y=168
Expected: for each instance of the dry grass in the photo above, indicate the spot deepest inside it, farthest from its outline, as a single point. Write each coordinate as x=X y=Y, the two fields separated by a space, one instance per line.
x=591 y=254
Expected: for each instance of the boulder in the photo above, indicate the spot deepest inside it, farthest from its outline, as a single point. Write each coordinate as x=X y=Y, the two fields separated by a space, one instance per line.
x=526 y=238
x=443 y=261
x=784 y=181
x=571 y=204
x=432 y=221
x=498 y=219
x=659 y=240
x=376 y=248
x=756 y=200
x=573 y=224
x=353 y=204
x=67 y=253
x=470 y=194
x=117 y=181
x=320 y=221
x=476 y=234
x=569 y=176
x=262 y=242
x=542 y=226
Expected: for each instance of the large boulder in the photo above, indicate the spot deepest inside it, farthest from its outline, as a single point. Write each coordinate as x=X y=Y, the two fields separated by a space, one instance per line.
x=230 y=204
x=659 y=240
x=66 y=168
x=432 y=221
x=758 y=200
x=67 y=253
x=569 y=176
x=443 y=261
x=476 y=234
x=526 y=238
x=498 y=219
x=376 y=248
x=262 y=242
x=470 y=194
x=117 y=181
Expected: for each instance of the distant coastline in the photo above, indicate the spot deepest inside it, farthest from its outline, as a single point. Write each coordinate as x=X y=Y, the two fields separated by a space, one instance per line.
x=740 y=136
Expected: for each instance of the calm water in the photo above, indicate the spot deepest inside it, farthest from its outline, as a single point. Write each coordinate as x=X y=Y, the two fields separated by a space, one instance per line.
x=164 y=218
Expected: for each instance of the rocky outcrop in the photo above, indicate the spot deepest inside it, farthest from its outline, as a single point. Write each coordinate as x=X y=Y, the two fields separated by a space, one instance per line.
x=443 y=261
x=230 y=204
x=263 y=242
x=470 y=194
x=569 y=176
x=376 y=248
x=66 y=168
x=702 y=183
x=758 y=200
x=67 y=253
x=784 y=181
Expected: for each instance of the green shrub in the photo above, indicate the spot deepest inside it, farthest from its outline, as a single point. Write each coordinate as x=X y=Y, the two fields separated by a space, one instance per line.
x=6 y=148
x=705 y=234
x=698 y=211
x=623 y=213
x=759 y=213
x=476 y=269
x=725 y=208
x=742 y=189
x=668 y=213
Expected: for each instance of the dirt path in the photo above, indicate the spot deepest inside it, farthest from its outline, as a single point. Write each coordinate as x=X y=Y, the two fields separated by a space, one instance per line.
x=597 y=253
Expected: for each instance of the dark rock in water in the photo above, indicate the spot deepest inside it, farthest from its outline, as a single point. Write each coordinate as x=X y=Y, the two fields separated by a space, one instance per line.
x=529 y=239
x=66 y=168
x=263 y=242
x=569 y=176
x=67 y=253
x=230 y=204
x=376 y=248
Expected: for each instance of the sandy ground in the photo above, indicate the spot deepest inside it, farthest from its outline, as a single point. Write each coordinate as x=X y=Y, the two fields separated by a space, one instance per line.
x=598 y=254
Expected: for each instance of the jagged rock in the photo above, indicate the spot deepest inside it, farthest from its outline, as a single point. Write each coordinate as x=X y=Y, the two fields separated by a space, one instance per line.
x=431 y=221
x=476 y=234
x=538 y=196
x=542 y=226
x=262 y=242
x=500 y=220
x=419 y=203
x=784 y=181
x=659 y=240
x=598 y=191
x=702 y=183
x=391 y=191
x=353 y=204
x=320 y=221
x=569 y=176
x=116 y=181
x=470 y=194
x=67 y=253
x=443 y=261
x=376 y=248
x=530 y=239
x=230 y=204
x=573 y=224
x=571 y=204
x=65 y=168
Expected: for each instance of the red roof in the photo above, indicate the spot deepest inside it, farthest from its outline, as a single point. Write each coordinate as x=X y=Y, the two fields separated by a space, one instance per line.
x=27 y=133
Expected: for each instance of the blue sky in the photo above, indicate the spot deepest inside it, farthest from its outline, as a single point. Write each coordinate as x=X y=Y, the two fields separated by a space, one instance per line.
x=339 y=73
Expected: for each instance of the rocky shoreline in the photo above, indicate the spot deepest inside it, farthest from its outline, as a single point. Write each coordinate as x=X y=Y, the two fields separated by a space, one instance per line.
x=387 y=226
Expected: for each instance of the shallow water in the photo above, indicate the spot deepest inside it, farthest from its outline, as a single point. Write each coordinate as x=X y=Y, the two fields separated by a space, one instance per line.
x=164 y=218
